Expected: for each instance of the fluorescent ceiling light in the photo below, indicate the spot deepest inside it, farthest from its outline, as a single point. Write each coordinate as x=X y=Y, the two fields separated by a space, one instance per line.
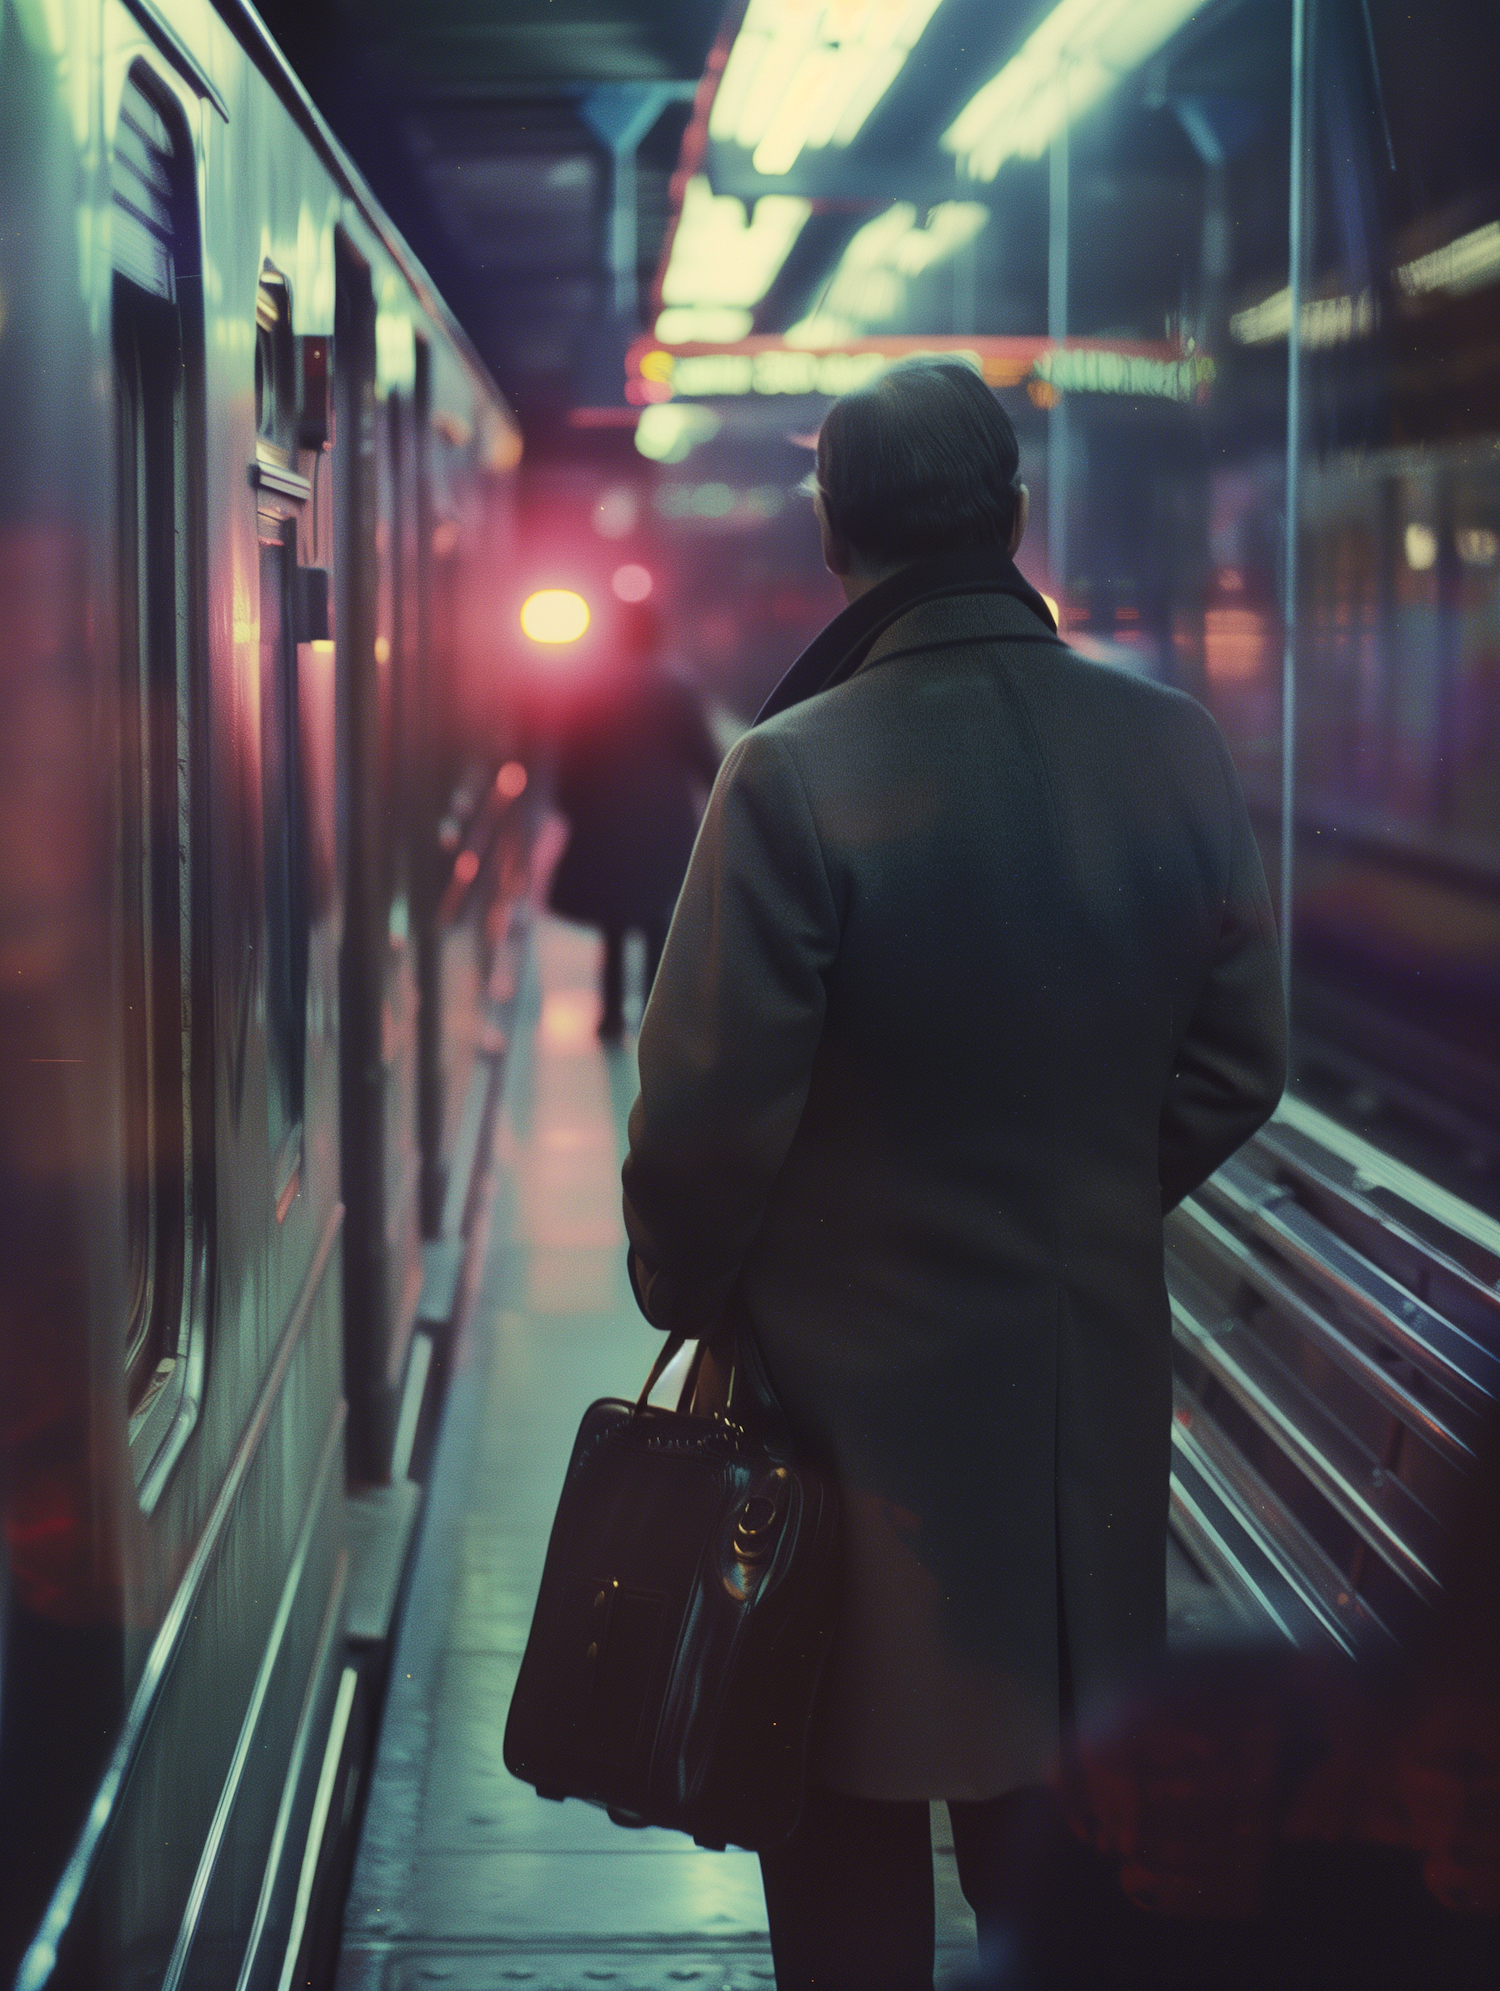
x=1076 y=56
x=1467 y=264
x=869 y=285
x=809 y=72
x=721 y=258
x=703 y=324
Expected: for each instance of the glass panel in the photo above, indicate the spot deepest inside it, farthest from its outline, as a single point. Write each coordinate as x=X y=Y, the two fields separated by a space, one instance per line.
x=1396 y=930
x=152 y=835
x=1168 y=233
x=134 y=868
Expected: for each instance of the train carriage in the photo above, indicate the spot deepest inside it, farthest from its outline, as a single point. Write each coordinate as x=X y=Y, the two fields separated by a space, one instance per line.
x=253 y=482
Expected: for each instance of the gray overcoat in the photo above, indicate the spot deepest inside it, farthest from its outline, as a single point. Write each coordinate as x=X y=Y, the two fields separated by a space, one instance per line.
x=972 y=976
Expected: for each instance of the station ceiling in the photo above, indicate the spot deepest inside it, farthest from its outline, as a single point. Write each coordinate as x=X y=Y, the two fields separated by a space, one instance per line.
x=487 y=128
x=492 y=131
x=469 y=119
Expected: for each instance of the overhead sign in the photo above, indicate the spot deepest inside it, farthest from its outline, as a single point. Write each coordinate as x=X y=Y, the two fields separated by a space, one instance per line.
x=767 y=365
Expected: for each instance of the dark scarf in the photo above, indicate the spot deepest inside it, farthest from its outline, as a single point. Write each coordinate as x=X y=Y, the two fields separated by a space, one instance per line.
x=838 y=651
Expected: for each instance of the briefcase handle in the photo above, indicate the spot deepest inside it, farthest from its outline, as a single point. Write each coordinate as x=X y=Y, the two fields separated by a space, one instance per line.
x=672 y=1347
x=693 y=1380
x=749 y=1387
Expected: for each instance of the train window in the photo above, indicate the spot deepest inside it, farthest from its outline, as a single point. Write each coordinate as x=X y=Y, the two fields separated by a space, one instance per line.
x=155 y=759
x=285 y=840
x=275 y=371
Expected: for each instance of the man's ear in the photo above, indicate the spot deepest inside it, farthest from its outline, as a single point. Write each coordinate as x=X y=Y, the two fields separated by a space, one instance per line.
x=1023 y=513
x=837 y=556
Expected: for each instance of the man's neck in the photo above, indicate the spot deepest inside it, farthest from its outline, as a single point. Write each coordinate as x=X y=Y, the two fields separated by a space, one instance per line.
x=859 y=580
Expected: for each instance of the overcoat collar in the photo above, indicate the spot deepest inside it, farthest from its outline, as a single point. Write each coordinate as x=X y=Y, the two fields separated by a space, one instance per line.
x=838 y=651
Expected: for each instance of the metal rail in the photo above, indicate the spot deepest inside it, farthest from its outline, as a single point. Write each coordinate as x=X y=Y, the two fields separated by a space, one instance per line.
x=1336 y=1325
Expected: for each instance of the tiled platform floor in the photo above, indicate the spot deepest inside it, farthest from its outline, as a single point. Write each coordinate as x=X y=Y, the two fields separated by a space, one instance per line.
x=464 y=1877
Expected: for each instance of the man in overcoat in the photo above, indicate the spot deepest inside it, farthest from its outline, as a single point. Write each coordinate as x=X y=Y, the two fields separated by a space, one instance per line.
x=972 y=978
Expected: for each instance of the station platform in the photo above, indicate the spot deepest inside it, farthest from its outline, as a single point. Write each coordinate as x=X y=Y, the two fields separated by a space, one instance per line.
x=464 y=1877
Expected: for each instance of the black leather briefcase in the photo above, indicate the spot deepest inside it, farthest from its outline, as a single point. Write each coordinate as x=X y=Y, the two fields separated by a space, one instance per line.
x=685 y=1612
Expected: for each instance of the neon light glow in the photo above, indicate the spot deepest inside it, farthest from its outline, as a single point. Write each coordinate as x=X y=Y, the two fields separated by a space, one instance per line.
x=1075 y=58
x=767 y=365
x=1326 y=321
x=555 y=615
x=721 y=258
x=870 y=282
x=808 y=73
x=1095 y=370
x=1473 y=260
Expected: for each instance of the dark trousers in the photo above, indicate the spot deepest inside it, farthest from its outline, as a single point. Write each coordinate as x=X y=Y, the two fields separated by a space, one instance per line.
x=612 y=978
x=850 y=1899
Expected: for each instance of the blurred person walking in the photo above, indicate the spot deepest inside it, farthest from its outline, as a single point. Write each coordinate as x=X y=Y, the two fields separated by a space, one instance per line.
x=634 y=750
x=972 y=978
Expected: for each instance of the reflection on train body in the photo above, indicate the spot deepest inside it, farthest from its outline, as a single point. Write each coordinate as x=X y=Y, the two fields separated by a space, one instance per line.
x=248 y=475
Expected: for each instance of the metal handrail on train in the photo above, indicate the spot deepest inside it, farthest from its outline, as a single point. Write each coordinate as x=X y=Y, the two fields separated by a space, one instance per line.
x=1336 y=1325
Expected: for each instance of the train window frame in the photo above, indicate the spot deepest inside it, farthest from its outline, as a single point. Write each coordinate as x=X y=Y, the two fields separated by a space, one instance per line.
x=156 y=343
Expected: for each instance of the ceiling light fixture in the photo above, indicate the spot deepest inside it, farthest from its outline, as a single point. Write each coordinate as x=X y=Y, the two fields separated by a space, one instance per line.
x=869 y=285
x=809 y=72
x=1077 y=55
x=721 y=258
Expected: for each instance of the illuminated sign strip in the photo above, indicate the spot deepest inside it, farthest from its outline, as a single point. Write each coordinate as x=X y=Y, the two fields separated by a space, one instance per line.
x=768 y=366
x=1104 y=370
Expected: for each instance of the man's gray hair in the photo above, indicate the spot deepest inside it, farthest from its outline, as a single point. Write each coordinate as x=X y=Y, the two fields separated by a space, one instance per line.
x=921 y=460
